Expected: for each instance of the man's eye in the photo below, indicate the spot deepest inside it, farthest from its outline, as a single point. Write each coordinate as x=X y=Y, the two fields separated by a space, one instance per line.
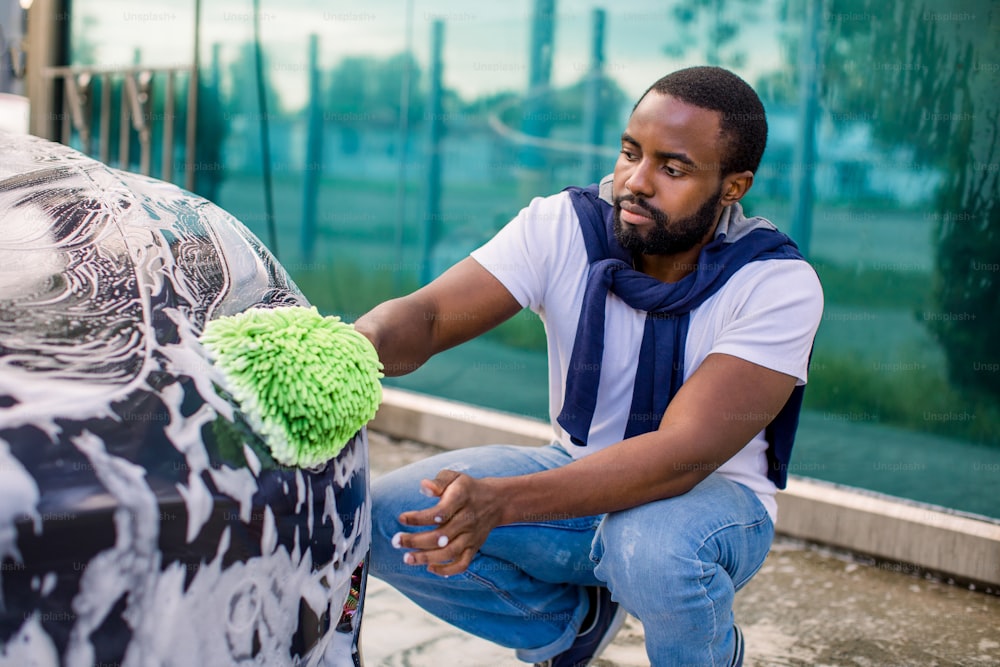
x=670 y=171
x=629 y=155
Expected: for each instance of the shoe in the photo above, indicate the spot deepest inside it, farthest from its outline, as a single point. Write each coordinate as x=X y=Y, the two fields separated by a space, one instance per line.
x=738 y=650
x=590 y=641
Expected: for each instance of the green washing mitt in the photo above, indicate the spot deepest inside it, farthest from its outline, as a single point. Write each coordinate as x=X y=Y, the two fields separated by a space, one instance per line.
x=305 y=382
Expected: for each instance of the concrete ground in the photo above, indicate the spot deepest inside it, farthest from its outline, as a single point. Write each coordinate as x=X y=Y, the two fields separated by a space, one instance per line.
x=807 y=607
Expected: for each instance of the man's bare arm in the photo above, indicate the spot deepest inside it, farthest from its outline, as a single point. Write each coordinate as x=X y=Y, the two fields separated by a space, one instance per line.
x=462 y=303
x=717 y=411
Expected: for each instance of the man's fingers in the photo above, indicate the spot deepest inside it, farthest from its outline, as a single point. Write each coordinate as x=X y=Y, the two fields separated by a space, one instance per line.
x=434 y=488
x=423 y=541
x=444 y=510
x=435 y=516
x=449 y=507
x=457 y=566
x=432 y=516
x=434 y=550
x=455 y=531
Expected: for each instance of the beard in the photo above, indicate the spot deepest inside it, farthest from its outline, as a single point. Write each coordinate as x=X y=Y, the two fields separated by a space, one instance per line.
x=665 y=237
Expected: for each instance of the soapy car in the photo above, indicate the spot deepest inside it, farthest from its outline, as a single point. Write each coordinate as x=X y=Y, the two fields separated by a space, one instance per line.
x=141 y=520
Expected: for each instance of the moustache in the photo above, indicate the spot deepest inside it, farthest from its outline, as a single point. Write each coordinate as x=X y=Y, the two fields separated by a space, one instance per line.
x=656 y=214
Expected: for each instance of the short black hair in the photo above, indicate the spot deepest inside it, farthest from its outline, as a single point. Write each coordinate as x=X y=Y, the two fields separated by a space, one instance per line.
x=744 y=123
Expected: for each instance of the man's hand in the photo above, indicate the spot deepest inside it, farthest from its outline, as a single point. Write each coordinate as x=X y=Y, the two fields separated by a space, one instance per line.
x=468 y=509
x=718 y=410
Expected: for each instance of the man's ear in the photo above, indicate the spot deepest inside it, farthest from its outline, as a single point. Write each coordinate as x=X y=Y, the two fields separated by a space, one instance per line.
x=734 y=186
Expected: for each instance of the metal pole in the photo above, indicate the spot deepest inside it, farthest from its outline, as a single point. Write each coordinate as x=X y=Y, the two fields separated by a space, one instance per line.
x=139 y=88
x=192 y=109
x=125 y=126
x=167 y=158
x=314 y=155
x=593 y=110
x=535 y=122
x=805 y=148
x=404 y=141
x=13 y=25
x=265 y=133
x=47 y=30
x=104 y=150
x=432 y=214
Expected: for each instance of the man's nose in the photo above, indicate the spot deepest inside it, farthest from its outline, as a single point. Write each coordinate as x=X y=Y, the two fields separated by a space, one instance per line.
x=639 y=182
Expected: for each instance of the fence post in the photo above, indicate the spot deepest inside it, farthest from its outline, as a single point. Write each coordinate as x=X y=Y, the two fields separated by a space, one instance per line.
x=435 y=110
x=314 y=154
x=535 y=122
x=804 y=169
x=48 y=28
x=593 y=112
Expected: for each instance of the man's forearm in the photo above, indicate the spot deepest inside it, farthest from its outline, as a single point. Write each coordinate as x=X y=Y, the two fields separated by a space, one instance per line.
x=721 y=407
x=633 y=472
x=715 y=414
x=459 y=305
x=400 y=330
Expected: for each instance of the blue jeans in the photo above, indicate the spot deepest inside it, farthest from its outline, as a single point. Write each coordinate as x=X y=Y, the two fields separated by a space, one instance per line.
x=674 y=564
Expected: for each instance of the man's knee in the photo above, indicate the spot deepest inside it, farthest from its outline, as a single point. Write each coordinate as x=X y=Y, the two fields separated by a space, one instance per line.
x=632 y=550
x=667 y=547
x=391 y=495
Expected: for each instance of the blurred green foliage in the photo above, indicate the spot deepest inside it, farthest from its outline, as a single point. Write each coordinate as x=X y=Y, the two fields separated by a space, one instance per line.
x=924 y=70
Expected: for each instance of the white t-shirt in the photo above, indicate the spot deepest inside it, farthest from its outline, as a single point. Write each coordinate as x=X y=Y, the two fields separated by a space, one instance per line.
x=767 y=313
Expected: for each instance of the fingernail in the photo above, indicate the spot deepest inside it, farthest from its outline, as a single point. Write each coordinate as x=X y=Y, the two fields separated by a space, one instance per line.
x=426 y=492
x=443 y=541
x=408 y=558
x=438 y=519
x=397 y=541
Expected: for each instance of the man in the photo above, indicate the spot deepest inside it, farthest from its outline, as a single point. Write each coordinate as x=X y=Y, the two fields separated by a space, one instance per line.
x=677 y=330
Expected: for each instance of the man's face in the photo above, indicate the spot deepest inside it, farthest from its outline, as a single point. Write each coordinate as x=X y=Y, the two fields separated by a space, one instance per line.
x=667 y=184
x=665 y=236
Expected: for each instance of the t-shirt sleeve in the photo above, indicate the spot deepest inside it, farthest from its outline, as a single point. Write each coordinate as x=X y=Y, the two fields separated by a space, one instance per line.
x=776 y=314
x=521 y=254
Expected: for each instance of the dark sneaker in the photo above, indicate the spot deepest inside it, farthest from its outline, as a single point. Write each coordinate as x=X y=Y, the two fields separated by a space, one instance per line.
x=738 y=651
x=596 y=636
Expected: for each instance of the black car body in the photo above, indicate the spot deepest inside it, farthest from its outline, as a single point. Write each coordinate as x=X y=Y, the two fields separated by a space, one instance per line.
x=141 y=520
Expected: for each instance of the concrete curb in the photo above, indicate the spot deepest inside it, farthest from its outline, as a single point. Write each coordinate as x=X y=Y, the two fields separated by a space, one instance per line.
x=923 y=537
x=941 y=541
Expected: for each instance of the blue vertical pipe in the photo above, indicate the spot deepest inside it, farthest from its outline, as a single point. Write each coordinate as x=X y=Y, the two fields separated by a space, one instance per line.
x=805 y=148
x=403 y=138
x=314 y=155
x=593 y=110
x=435 y=111
x=536 y=121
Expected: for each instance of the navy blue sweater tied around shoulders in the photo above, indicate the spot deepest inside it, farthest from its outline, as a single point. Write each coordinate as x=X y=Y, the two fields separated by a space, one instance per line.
x=660 y=370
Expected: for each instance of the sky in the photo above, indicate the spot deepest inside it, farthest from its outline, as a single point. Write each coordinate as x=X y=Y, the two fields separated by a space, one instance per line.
x=485 y=49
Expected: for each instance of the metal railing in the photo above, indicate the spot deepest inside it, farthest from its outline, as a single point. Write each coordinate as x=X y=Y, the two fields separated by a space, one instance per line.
x=88 y=97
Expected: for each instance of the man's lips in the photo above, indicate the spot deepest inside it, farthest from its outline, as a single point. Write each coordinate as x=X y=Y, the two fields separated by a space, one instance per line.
x=634 y=214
